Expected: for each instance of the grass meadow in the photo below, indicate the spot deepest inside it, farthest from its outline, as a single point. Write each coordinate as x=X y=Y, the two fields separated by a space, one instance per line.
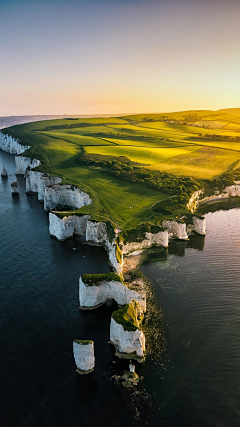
x=201 y=144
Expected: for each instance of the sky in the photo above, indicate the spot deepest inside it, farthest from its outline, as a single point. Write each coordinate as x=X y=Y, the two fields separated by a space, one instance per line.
x=118 y=56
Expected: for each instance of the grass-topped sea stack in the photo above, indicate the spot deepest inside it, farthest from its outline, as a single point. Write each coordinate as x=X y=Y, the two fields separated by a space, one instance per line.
x=126 y=333
x=83 y=352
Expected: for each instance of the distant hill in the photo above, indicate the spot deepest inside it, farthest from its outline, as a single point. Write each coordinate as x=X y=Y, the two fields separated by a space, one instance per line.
x=230 y=111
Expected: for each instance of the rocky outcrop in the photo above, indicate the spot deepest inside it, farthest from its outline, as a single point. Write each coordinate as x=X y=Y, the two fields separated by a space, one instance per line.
x=14 y=188
x=11 y=145
x=176 y=229
x=149 y=239
x=24 y=163
x=3 y=171
x=62 y=196
x=198 y=226
x=83 y=352
x=194 y=201
x=36 y=182
x=66 y=227
x=126 y=334
x=96 y=289
x=97 y=234
x=230 y=191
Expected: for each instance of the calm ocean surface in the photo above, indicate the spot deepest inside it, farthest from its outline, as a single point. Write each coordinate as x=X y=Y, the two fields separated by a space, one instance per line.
x=197 y=284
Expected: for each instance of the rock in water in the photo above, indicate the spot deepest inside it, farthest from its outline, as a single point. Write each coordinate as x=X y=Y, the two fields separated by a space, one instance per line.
x=131 y=368
x=83 y=352
x=126 y=333
x=14 y=188
x=3 y=171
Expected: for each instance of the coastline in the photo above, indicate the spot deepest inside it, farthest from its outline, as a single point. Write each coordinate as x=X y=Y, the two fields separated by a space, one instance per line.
x=54 y=194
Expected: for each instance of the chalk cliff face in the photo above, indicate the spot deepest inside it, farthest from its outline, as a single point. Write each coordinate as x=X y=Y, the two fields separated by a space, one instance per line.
x=176 y=229
x=3 y=171
x=70 y=196
x=22 y=163
x=160 y=239
x=64 y=228
x=96 y=233
x=127 y=342
x=231 y=191
x=83 y=353
x=198 y=226
x=11 y=145
x=36 y=182
x=194 y=201
x=91 y=296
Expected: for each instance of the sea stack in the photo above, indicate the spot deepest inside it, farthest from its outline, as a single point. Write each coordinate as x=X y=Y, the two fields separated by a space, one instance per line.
x=3 y=171
x=125 y=332
x=83 y=352
x=14 y=188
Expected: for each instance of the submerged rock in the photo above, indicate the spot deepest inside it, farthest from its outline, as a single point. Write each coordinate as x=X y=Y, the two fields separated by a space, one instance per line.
x=83 y=352
x=14 y=188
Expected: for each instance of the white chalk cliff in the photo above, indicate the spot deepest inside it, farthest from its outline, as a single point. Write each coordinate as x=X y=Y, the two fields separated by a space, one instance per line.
x=3 y=171
x=176 y=229
x=198 y=226
x=92 y=296
x=159 y=239
x=11 y=145
x=194 y=201
x=23 y=163
x=83 y=353
x=65 y=195
x=36 y=182
x=66 y=227
x=96 y=233
x=127 y=342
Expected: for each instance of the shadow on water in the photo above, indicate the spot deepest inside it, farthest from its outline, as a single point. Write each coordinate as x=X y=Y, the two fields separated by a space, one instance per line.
x=224 y=205
x=176 y=247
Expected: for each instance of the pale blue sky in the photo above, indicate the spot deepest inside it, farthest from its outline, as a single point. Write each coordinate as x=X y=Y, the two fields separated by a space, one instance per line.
x=95 y=57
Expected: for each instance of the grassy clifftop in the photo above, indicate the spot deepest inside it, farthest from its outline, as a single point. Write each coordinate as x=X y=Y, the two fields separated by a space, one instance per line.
x=138 y=168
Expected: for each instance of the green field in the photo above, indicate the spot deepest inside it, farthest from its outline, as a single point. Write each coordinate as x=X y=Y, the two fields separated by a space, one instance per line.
x=129 y=164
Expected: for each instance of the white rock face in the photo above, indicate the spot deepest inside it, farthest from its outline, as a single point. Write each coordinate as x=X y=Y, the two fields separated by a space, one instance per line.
x=199 y=226
x=11 y=145
x=84 y=356
x=231 y=191
x=176 y=229
x=22 y=163
x=96 y=232
x=127 y=341
x=159 y=239
x=36 y=182
x=93 y=296
x=3 y=171
x=65 y=195
x=64 y=228
x=194 y=201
